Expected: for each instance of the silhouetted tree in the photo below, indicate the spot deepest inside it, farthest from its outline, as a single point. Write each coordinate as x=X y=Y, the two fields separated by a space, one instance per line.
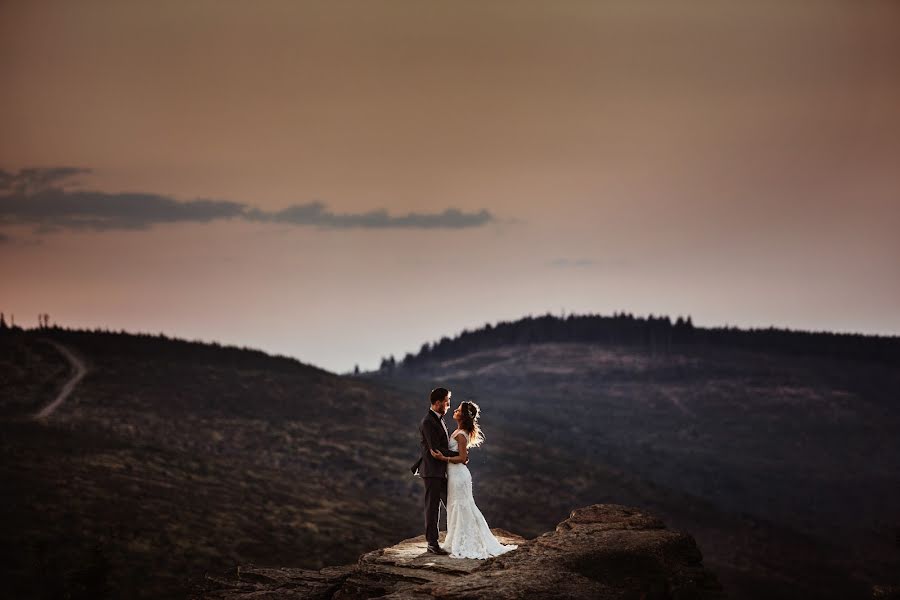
x=656 y=334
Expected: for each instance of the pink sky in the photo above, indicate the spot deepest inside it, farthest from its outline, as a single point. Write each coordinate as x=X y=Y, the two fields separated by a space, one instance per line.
x=739 y=163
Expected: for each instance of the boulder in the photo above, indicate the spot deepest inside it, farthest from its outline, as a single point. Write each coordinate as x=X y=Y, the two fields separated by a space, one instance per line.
x=603 y=551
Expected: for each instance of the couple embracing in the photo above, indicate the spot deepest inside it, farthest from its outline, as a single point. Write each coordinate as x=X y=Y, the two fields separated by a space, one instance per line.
x=442 y=467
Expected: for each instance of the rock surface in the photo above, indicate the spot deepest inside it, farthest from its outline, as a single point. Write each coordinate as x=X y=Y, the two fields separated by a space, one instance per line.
x=600 y=551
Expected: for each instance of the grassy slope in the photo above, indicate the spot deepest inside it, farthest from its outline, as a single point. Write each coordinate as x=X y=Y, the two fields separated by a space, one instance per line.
x=784 y=468
x=173 y=458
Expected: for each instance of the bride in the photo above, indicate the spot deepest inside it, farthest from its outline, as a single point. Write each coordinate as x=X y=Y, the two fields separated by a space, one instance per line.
x=468 y=534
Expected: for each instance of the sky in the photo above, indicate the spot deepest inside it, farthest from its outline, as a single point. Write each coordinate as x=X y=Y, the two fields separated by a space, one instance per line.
x=343 y=181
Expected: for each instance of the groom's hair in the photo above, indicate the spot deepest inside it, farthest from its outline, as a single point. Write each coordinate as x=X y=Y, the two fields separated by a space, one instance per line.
x=438 y=394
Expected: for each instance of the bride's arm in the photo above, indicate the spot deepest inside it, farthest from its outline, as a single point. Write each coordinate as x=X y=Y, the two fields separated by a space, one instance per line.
x=463 y=456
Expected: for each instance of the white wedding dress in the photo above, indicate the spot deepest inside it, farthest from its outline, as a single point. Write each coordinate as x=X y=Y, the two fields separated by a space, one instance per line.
x=468 y=534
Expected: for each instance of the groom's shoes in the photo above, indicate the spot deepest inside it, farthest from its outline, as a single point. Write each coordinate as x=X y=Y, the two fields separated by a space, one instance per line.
x=437 y=550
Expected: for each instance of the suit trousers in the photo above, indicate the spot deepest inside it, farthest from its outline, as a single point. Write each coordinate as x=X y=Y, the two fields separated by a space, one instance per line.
x=435 y=494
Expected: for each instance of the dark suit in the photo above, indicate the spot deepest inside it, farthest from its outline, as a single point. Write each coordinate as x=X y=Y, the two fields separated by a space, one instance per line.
x=433 y=471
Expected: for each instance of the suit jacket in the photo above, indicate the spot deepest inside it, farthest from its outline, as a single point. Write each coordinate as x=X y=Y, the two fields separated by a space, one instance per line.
x=432 y=435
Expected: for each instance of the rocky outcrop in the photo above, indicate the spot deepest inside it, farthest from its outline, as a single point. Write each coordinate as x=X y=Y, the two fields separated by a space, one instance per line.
x=605 y=551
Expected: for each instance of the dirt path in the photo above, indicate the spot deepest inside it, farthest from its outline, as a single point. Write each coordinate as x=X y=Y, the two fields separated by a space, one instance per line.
x=674 y=399
x=80 y=371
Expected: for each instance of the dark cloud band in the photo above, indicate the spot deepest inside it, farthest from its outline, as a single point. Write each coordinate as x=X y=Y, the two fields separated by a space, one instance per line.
x=315 y=213
x=27 y=181
x=36 y=196
x=60 y=209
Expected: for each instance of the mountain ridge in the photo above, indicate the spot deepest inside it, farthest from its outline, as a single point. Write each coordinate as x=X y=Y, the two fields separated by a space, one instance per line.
x=202 y=457
x=656 y=334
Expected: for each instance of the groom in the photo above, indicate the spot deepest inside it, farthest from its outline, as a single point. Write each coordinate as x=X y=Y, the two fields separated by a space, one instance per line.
x=433 y=434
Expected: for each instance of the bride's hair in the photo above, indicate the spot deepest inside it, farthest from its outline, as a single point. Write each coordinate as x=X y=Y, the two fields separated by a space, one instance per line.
x=470 y=413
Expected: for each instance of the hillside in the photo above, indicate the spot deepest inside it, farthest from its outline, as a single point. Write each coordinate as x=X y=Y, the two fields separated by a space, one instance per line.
x=653 y=334
x=173 y=459
x=784 y=464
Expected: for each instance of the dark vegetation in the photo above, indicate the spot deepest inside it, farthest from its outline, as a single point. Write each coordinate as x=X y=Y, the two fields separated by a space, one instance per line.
x=654 y=334
x=779 y=450
x=174 y=458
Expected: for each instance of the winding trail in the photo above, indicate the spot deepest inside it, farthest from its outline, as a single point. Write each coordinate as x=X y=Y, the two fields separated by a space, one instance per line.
x=675 y=400
x=80 y=371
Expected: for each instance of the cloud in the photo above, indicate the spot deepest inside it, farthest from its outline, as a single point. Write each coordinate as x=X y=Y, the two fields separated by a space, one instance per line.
x=54 y=209
x=28 y=181
x=315 y=213
x=36 y=197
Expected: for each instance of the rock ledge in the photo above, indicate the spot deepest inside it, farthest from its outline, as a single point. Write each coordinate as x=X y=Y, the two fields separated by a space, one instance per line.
x=604 y=551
